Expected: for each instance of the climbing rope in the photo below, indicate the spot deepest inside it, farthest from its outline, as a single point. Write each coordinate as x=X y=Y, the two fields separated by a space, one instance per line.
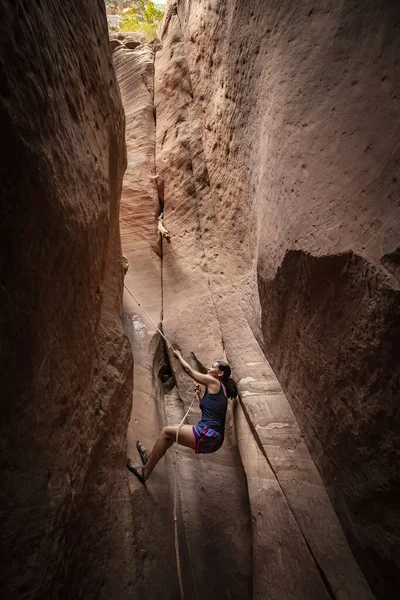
x=176 y=488
x=176 y=498
x=149 y=317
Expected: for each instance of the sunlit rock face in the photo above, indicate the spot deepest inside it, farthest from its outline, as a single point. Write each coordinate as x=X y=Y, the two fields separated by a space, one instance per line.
x=66 y=374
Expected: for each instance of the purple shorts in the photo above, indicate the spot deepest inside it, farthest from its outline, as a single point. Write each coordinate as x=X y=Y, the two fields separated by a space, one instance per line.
x=206 y=440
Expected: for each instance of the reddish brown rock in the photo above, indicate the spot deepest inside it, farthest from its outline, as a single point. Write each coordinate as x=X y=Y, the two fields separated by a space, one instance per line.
x=156 y=399
x=298 y=110
x=276 y=183
x=66 y=366
x=215 y=549
x=152 y=533
x=202 y=315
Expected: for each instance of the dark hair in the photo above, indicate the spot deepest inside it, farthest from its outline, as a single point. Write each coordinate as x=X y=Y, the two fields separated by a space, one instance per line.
x=227 y=380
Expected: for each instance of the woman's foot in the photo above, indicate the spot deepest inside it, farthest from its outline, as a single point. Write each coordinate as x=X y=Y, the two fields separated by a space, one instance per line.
x=137 y=470
x=143 y=453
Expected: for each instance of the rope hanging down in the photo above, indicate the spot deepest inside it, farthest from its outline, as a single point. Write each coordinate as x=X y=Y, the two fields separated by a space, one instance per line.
x=176 y=498
x=176 y=488
x=149 y=317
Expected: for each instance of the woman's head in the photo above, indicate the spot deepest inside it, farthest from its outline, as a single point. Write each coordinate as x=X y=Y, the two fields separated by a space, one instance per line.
x=222 y=371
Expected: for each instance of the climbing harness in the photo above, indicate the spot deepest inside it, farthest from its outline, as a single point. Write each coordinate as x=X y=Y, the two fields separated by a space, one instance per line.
x=176 y=488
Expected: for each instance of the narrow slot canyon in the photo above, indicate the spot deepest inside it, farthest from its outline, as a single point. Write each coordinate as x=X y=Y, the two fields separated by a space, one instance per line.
x=266 y=136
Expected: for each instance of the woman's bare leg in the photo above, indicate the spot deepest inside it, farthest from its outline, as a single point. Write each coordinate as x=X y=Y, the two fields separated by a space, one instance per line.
x=165 y=440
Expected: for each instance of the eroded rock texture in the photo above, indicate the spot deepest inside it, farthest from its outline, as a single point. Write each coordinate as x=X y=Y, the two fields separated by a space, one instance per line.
x=203 y=316
x=268 y=135
x=154 y=562
x=211 y=549
x=282 y=537
x=66 y=364
x=297 y=109
x=212 y=487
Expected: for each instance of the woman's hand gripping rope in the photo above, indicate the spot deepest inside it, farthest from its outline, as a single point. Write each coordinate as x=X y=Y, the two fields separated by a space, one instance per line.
x=197 y=391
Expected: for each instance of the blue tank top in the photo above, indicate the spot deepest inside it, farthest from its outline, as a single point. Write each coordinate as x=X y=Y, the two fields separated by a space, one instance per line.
x=213 y=410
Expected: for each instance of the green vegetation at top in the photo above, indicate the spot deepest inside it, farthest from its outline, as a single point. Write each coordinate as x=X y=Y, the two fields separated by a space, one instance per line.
x=143 y=16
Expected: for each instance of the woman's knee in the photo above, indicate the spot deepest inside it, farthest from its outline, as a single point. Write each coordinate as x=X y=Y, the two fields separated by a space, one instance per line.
x=167 y=432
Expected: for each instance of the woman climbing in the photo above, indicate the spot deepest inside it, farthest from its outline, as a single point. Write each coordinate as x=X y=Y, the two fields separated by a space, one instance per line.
x=205 y=437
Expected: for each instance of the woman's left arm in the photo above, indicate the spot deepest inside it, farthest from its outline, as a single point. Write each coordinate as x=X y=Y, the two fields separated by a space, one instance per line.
x=210 y=382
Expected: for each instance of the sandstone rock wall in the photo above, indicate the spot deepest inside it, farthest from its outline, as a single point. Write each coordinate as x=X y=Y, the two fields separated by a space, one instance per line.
x=203 y=317
x=212 y=487
x=66 y=373
x=269 y=139
x=152 y=533
x=297 y=105
x=210 y=549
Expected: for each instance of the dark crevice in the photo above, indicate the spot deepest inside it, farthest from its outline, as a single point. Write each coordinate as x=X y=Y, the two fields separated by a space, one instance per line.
x=160 y=192
x=197 y=365
x=391 y=261
x=165 y=373
x=159 y=186
x=159 y=367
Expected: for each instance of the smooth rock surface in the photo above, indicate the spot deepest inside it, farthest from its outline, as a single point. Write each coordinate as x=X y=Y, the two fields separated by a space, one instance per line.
x=212 y=487
x=298 y=108
x=153 y=561
x=203 y=317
